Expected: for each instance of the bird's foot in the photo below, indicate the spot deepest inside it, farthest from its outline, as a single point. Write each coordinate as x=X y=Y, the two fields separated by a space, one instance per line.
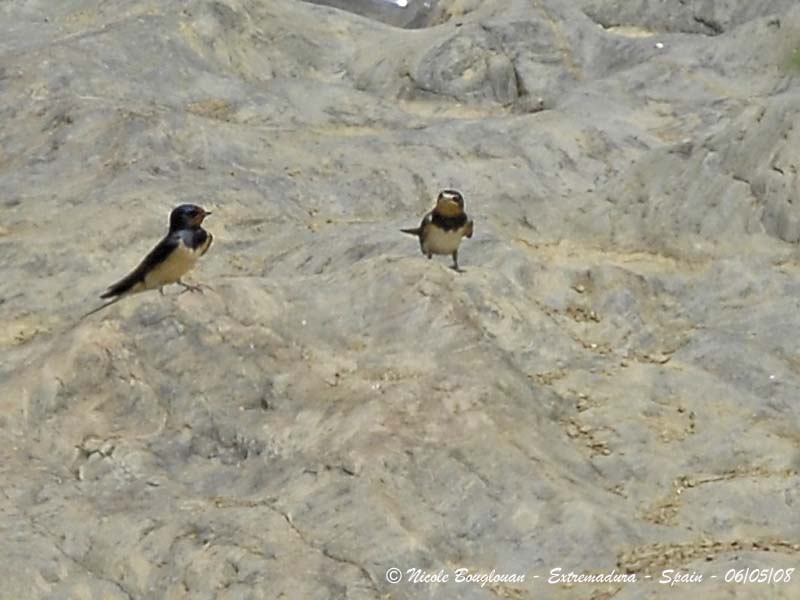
x=194 y=288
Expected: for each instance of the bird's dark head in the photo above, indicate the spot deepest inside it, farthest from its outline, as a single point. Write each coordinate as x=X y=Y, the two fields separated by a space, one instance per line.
x=450 y=203
x=187 y=216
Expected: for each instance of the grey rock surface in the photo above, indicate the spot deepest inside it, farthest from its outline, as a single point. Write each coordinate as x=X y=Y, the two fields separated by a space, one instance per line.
x=612 y=384
x=411 y=14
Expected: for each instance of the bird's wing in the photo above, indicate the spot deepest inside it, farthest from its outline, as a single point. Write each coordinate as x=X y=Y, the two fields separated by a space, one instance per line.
x=207 y=242
x=155 y=257
x=468 y=231
x=424 y=226
x=420 y=231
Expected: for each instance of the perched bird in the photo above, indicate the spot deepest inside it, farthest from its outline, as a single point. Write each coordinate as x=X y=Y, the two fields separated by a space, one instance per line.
x=441 y=229
x=170 y=260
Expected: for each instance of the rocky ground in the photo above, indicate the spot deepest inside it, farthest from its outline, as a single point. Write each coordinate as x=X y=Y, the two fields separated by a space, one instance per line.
x=612 y=384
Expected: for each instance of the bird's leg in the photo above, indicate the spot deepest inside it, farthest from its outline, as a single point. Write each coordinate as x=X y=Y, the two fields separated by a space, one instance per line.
x=192 y=288
x=161 y=290
x=455 y=262
x=430 y=255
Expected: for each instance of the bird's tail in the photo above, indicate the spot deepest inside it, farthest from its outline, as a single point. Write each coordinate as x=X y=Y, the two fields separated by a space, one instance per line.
x=102 y=306
x=415 y=231
x=122 y=286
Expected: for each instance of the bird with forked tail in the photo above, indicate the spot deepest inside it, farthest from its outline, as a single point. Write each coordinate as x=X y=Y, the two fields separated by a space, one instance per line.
x=170 y=260
x=442 y=228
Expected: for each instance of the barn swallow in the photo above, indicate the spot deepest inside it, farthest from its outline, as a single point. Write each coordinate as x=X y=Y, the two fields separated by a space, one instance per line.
x=171 y=258
x=441 y=229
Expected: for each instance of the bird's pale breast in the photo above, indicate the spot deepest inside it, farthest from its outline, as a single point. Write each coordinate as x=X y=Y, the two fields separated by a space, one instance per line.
x=439 y=241
x=177 y=264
